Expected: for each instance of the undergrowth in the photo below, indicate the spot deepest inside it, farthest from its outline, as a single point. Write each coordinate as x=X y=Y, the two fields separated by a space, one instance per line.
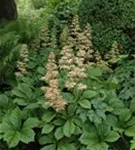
x=57 y=90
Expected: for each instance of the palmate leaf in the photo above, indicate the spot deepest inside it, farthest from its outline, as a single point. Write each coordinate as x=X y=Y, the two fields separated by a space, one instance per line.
x=23 y=94
x=95 y=138
x=14 y=131
x=107 y=134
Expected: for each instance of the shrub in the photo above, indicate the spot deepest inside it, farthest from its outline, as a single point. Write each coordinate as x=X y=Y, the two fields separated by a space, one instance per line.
x=110 y=20
x=12 y=35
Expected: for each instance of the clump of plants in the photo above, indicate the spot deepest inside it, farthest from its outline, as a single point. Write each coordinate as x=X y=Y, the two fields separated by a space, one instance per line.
x=110 y=21
x=14 y=34
x=60 y=98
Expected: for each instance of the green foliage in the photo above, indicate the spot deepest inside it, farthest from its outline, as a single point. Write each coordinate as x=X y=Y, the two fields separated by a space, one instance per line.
x=39 y=4
x=14 y=130
x=93 y=118
x=125 y=76
x=110 y=21
x=12 y=35
x=100 y=117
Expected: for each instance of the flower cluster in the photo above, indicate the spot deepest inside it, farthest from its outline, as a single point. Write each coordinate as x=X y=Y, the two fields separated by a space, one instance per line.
x=22 y=62
x=66 y=62
x=85 y=47
x=100 y=62
x=52 y=92
x=43 y=38
x=64 y=36
x=114 y=53
x=74 y=55
x=74 y=78
x=74 y=30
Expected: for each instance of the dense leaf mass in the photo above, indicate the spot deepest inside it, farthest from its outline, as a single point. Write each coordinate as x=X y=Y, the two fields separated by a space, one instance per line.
x=67 y=76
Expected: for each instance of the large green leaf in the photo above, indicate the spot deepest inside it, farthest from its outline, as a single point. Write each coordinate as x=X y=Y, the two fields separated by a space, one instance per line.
x=23 y=91
x=47 y=128
x=71 y=109
x=69 y=128
x=14 y=131
x=18 y=93
x=15 y=118
x=5 y=126
x=48 y=116
x=85 y=104
x=125 y=114
x=88 y=94
x=112 y=136
x=11 y=121
x=59 y=133
x=27 y=135
x=130 y=131
x=12 y=138
x=31 y=123
x=26 y=89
